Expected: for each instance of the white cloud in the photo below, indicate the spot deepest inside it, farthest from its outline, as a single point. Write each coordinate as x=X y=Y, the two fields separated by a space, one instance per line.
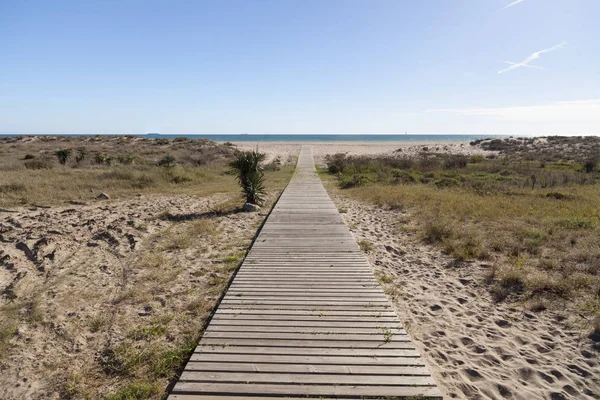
x=580 y=111
x=514 y=3
x=534 y=56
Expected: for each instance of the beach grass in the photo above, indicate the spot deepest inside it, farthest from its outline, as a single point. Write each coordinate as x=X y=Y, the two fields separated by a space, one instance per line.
x=538 y=226
x=33 y=173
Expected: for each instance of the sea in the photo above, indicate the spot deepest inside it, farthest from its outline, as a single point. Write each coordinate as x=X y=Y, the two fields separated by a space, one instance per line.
x=276 y=137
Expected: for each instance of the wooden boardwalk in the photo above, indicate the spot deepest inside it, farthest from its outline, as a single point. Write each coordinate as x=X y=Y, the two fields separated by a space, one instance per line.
x=304 y=316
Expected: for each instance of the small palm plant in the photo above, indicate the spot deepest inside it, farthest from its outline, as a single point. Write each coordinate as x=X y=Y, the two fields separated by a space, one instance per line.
x=249 y=173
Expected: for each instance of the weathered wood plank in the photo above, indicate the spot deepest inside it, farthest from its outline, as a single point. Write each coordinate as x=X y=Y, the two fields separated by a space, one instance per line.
x=306 y=368
x=257 y=377
x=305 y=389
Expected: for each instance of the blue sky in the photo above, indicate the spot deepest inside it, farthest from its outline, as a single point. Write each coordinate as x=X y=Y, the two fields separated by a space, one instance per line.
x=306 y=66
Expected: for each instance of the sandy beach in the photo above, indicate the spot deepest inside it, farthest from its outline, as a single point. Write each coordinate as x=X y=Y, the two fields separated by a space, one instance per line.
x=107 y=255
x=285 y=150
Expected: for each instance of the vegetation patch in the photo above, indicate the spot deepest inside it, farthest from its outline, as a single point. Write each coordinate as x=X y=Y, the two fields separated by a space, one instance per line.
x=538 y=222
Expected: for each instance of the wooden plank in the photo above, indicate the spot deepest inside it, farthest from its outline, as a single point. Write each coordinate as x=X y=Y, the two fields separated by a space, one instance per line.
x=313 y=390
x=306 y=368
x=236 y=323
x=348 y=379
x=382 y=352
x=403 y=343
x=304 y=329
x=300 y=359
x=361 y=313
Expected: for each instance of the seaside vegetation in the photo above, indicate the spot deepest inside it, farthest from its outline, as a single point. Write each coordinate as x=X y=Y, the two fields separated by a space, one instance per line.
x=534 y=223
x=249 y=172
x=49 y=170
x=141 y=357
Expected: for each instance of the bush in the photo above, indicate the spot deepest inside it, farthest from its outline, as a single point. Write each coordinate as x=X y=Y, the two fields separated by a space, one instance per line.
x=167 y=161
x=63 y=155
x=125 y=159
x=103 y=159
x=590 y=165
x=437 y=231
x=44 y=163
x=274 y=165
x=401 y=176
x=81 y=154
x=336 y=163
x=446 y=182
x=457 y=161
x=354 y=180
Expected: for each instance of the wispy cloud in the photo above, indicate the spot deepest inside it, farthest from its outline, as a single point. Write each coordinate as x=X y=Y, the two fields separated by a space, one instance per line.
x=559 y=112
x=534 y=56
x=514 y=3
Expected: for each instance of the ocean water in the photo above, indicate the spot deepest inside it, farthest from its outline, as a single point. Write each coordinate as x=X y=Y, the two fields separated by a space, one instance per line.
x=314 y=137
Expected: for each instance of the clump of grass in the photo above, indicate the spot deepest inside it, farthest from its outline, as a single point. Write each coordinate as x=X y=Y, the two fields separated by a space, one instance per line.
x=365 y=246
x=97 y=322
x=168 y=161
x=12 y=188
x=9 y=322
x=511 y=281
x=201 y=227
x=146 y=332
x=135 y=391
x=82 y=153
x=152 y=260
x=437 y=231
x=173 y=239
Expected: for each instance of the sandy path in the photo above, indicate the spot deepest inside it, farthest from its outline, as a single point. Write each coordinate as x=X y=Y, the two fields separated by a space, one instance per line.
x=477 y=349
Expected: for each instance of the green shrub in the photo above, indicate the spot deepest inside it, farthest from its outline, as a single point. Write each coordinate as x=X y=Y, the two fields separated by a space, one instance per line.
x=590 y=165
x=456 y=161
x=103 y=159
x=81 y=154
x=167 y=161
x=446 y=182
x=402 y=176
x=63 y=155
x=125 y=159
x=353 y=181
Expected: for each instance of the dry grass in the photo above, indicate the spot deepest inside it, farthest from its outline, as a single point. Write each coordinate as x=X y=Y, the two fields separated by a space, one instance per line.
x=134 y=167
x=545 y=243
